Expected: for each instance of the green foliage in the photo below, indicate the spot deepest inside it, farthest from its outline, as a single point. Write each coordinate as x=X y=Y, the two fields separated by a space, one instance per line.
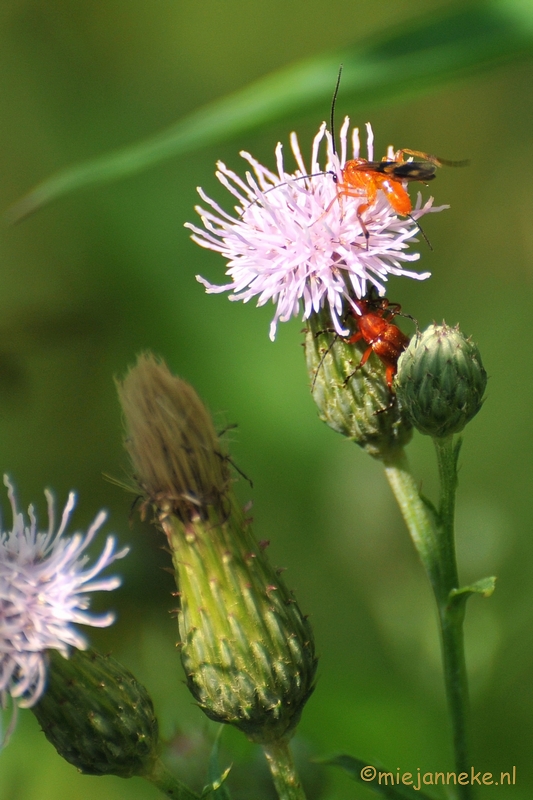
x=400 y=61
x=485 y=587
x=217 y=777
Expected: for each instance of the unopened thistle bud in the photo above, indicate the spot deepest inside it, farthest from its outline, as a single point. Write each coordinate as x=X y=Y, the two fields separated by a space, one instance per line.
x=246 y=648
x=441 y=381
x=97 y=715
x=354 y=402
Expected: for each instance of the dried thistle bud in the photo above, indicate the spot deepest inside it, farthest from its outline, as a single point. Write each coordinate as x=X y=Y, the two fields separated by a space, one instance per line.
x=177 y=458
x=441 y=381
x=247 y=650
x=97 y=715
x=354 y=402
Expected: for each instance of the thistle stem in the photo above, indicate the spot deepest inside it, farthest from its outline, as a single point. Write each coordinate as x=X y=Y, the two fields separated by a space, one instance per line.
x=168 y=784
x=283 y=771
x=452 y=614
x=435 y=544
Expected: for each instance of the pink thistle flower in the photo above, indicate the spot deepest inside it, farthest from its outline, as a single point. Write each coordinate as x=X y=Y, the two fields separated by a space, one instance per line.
x=295 y=242
x=44 y=586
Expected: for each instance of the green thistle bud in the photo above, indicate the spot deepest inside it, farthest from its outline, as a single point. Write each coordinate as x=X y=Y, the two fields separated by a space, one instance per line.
x=97 y=716
x=359 y=408
x=441 y=381
x=247 y=650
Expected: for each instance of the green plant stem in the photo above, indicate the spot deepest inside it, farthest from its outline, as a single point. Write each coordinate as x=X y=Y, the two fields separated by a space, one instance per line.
x=415 y=514
x=283 y=771
x=452 y=614
x=435 y=544
x=168 y=784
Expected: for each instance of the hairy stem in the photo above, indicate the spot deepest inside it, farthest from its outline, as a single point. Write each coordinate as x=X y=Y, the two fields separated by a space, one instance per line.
x=452 y=614
x=283 y=771
x=435 y=544
x=168 y=784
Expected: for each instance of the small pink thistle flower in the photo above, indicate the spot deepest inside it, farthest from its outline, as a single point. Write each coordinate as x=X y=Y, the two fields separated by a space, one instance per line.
x=44 y=586
x=295 y=240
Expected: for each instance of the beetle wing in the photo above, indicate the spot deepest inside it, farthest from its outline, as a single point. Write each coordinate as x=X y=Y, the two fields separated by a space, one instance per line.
x=415 y=171
x=402 y=171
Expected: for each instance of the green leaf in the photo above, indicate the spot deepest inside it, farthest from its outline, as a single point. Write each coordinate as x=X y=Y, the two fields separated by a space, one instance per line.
x=357 y=768
x=216 y=788
x=430 y=507
x=485 y=587
x=457 y=451
x=406 y=60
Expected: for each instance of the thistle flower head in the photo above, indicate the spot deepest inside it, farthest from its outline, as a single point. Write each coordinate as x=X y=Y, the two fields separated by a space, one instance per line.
x=295 y=238
x=44 y=589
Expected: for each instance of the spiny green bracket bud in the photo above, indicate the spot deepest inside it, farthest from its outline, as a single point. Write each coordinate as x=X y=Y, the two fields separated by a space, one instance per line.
x=441 y=381
x=361 y=407
x=247 y=650
x=97 y=716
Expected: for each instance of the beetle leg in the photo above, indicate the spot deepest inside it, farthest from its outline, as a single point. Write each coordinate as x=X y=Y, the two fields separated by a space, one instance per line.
x=356 y=337
x=364 y=359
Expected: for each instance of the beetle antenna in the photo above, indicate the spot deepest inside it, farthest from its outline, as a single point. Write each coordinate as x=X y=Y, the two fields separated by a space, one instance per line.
x=327 y=351
x=284 y=183
x=420 y=229
x=333 y=101
x=324 y=354
x=313 y=174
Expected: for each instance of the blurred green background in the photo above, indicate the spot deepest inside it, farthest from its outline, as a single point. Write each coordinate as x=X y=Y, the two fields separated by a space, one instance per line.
x=90 y=280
